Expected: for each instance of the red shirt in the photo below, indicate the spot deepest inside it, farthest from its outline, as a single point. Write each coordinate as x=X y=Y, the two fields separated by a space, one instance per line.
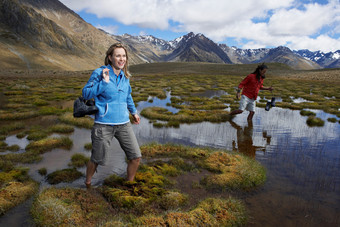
x=251 y=86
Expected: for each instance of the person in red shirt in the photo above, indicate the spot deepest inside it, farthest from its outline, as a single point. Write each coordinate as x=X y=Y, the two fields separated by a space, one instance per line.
x=250 y=87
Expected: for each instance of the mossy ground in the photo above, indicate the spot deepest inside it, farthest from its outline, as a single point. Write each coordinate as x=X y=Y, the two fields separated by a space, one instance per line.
x=156 y=198
x=15 y=187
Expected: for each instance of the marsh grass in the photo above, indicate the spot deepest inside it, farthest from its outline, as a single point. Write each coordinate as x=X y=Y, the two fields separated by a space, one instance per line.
x=84 y=122
x=78 y=160
x=88 y=146
x=307 y=113
x=61 y=128
x=47 y=144
x=70 y=207
x=15 y=188
x=6 y=129
x=42 y=171
x=18 y=116
x=64 y=175
x=331 y=119
x=315 y=121
x=184 y=115
x=27 y=98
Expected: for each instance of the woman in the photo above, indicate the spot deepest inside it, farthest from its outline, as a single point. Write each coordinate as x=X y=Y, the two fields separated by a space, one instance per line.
x=250 y=87
x=110 y=87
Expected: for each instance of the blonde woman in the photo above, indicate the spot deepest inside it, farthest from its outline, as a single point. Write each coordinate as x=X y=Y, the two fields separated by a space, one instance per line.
x=110 y=87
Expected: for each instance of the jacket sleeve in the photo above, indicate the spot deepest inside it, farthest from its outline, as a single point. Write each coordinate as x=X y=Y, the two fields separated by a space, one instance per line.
x=130 y=104
x=95 y=85
x=244 y=82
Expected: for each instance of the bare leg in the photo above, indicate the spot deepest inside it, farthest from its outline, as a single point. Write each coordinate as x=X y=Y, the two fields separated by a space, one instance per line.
x=236 y=112
x=132 y=169
x=91 y=168
x=250 y=116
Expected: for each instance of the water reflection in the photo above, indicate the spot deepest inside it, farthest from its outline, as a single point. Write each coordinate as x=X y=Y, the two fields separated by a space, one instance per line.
x=299 y=99
x=154 y=101
x=244 y=143
x=211 y=93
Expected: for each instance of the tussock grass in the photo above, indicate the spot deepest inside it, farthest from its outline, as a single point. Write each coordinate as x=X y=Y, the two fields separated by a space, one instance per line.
x=18 y=116
x=70 y=207
x=315 y=121
x=6 y=129
x=84 y=122
x=15 y=188
x=42 y=171
x=88 y=146
x=64 y=175
x=331 y=119
x=307 y=113
x=61 y=128
x=78 y=160
x=48 y=144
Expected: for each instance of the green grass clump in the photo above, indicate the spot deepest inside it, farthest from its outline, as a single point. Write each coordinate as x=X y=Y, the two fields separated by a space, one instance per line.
x=48 y=144
x=331 y=119
x=42 y=171
x=83 y=122
x=307 y=113
x=6 y=129
x=13 y=148
x=315 y=121
x=233 y=171
x=51 y=110
x=64 y=175
x=79 y=160
x=18 y=116
x=88 y=146
x=36 y=135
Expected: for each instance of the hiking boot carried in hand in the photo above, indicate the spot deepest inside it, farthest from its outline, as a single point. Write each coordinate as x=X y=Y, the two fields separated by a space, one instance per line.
x=273 y=102
x=268 y=106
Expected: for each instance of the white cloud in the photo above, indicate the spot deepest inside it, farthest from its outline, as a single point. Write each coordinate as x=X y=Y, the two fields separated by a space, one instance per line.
x=303 y=22
x=289 y=22
x=109 y=29
x=322 y=42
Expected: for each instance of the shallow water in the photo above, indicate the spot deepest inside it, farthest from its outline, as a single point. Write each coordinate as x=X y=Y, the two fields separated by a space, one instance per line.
x=302 y=162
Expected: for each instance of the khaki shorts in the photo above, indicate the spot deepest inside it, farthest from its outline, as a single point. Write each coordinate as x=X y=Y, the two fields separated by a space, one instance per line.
x=102 y=136
x=247 y=104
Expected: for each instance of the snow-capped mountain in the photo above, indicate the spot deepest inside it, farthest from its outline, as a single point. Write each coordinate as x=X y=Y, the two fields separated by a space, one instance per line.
x=326 y=60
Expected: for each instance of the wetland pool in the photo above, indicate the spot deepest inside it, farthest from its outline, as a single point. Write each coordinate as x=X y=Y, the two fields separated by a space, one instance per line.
x=302 y=162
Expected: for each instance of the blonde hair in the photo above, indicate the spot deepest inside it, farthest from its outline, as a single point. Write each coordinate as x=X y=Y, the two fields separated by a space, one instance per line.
x=110 y=51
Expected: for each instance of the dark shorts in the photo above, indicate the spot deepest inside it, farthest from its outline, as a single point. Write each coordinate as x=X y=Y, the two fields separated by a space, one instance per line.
x=102 y=136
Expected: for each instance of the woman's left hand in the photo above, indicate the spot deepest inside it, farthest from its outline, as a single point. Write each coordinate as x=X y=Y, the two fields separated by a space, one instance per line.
x=136 y=119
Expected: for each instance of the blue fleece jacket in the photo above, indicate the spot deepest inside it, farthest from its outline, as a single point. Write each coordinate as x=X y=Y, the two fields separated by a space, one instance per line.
x=113 y=99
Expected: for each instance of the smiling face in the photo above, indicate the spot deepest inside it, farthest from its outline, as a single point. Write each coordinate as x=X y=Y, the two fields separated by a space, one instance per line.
x=118 y=59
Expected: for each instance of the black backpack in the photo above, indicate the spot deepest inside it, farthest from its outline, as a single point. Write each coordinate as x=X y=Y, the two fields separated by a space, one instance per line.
x=82 y=107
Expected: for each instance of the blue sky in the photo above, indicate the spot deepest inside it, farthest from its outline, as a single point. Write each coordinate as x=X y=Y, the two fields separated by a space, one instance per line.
x=297 y=24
